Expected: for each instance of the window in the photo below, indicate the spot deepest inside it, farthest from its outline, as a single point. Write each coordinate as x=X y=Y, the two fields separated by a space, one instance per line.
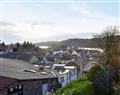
x=11 y=89
x=17 y=90
x=20 y=87
x=45 y=88
x=62 y=79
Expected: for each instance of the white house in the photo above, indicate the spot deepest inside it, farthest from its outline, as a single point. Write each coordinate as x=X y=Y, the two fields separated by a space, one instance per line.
x=65 y=73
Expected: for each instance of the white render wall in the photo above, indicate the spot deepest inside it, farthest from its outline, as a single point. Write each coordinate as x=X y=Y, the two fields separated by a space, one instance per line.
x=69 y=75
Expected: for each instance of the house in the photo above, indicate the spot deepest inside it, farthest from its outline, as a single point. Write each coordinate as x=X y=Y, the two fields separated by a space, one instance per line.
x=18 y=77
x=78 y=63
x=65 y=73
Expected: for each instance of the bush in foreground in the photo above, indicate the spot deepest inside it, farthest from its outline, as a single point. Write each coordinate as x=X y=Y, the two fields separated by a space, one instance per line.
x=81 y=86
x=100 y=79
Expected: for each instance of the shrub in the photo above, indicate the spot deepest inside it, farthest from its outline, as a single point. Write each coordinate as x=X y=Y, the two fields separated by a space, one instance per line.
x=100 y=79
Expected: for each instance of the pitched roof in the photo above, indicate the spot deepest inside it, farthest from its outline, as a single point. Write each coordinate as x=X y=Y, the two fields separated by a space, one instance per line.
x=4 y=82
x=25 y=56
x=15 y=69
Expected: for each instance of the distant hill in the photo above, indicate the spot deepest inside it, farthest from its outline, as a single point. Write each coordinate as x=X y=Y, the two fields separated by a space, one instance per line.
x=49 y=43
x=72 y=42
x=80 y=42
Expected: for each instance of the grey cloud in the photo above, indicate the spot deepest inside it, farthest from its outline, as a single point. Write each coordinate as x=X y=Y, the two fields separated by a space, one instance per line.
x=40 y=22
x=4 y=23
x=68 y=36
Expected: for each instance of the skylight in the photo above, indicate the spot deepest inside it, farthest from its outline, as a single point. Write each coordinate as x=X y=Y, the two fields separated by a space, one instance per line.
x=45 y=73
x=28 y=70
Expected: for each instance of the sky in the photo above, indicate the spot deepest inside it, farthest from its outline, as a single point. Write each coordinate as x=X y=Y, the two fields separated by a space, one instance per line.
x=55 y=20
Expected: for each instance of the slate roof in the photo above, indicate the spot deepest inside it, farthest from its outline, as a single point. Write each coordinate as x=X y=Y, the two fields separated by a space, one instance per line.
x=25 y=56
x=14 y=69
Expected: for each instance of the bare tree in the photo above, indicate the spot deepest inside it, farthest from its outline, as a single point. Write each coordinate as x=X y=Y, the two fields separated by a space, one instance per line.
x=109 y=41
